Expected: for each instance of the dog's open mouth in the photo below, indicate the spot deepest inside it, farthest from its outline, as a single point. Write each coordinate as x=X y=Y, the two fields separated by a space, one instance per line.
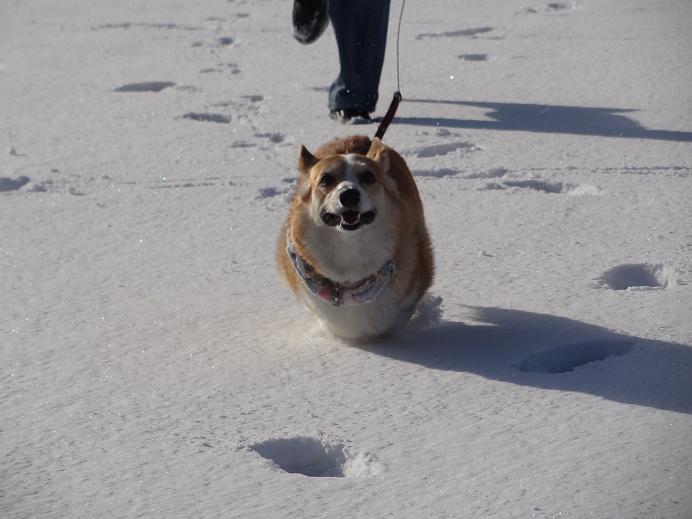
x=348 y=220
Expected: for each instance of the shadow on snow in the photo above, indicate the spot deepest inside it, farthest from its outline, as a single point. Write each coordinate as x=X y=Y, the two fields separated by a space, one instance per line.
x=600 y=122
x=552 y=352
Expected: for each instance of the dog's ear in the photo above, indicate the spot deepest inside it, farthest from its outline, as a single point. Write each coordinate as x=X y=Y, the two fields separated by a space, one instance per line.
x=378 y=153
x=306 y=160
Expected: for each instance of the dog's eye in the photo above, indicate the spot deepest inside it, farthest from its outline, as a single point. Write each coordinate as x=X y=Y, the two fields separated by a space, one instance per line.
x=326 y=180
x=367 y=177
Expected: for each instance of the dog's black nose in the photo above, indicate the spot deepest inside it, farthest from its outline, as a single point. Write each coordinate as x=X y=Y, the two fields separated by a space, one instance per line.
x=349 y=197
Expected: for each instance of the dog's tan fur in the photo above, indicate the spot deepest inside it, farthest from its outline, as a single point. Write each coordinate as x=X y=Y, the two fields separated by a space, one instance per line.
x=407 y=240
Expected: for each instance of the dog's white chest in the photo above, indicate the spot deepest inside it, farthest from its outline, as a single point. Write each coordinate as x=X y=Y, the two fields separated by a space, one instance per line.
x=384 y=314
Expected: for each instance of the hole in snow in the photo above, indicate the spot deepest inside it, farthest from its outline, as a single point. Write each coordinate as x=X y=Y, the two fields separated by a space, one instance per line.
x=270 y=192
x=554 y=187
x=207 y=117
x=473 y=57
x=638 y=276
x=316 y=458
x=540 y=185
x=435 y=173
x=571 y=356
x=558 y=6
x=13 y=184
x=472 y=33
x=274 y=137
x=489 y=173
x=445 y=149
x=148 y=86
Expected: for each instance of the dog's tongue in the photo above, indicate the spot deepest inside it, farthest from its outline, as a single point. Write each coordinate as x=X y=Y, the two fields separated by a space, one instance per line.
x=350 y=217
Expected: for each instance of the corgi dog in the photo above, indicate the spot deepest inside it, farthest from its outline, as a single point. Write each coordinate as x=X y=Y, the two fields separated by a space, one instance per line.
x=354 y=247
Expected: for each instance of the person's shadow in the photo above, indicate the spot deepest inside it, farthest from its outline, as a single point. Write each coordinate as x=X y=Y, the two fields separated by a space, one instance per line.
x=578 y=120
x=550 y=352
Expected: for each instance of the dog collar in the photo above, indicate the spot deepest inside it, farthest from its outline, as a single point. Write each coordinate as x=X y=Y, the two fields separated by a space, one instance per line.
x=335 y=293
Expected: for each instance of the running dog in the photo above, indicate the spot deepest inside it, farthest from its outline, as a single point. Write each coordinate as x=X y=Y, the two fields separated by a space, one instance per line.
x=354 y=247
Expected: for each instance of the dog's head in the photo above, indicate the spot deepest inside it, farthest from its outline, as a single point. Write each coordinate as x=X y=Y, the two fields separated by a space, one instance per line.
x=346 y=192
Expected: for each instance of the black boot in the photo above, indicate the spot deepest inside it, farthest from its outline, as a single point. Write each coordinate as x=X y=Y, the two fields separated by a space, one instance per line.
x=309 y=19
x=351 y=116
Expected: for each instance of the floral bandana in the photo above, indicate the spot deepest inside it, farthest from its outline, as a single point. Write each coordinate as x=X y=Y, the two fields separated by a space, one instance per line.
x=333 y=293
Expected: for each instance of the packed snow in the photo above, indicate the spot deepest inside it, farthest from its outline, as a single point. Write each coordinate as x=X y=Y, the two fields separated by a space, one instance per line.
x=152 y=362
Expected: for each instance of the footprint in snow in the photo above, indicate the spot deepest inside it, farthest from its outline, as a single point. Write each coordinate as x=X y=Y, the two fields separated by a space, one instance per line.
x=558 y=6
x=445 y=149
x=435 y=173
x=638 y=276
x=147 y=86
x=222 y=68
x=471 y=33
x=269 y=192
x=12 y=152
x=545 y=186
x=130 y=25
x=223 y=41
x=552 y=7
x=185 y=184
x=569 y=357
x=13 y=184
x=242 y=144
x=248 y=107
x=317 y=458
x=201 y=442
x=273 y=137
x=272 y=191
x=207 y=117
x=488 y=173
x=473 y=57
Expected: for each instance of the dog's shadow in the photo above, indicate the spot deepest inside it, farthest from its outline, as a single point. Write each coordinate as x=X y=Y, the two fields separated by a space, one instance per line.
x=549 y=352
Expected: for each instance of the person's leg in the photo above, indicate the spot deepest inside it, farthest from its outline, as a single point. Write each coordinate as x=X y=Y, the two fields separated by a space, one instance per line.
x=360 y=27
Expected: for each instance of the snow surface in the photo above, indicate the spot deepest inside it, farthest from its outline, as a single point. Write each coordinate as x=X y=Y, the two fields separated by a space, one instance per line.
x=154 y=365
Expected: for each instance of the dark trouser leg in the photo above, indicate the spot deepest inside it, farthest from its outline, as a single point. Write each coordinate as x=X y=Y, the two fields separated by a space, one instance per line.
x=360 y=27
